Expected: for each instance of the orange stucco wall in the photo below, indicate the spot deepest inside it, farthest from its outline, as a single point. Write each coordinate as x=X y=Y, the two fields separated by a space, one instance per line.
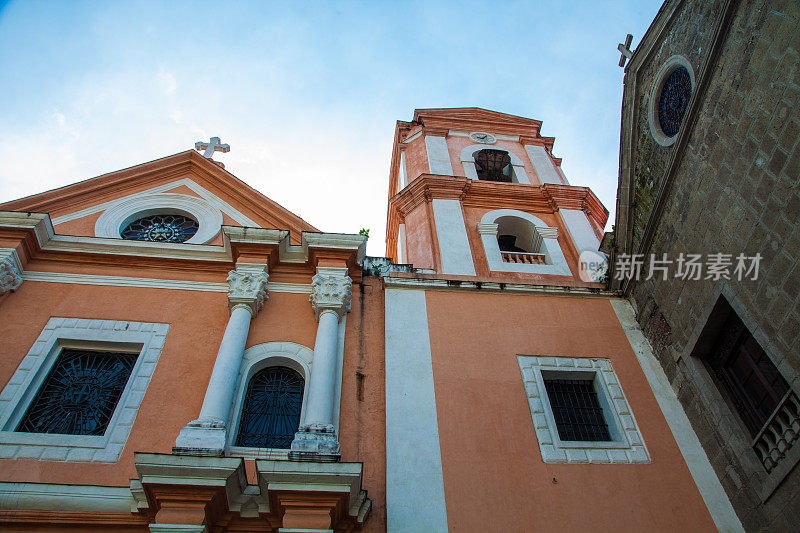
x=416 y=158
x=419 y=241
x=494 y=476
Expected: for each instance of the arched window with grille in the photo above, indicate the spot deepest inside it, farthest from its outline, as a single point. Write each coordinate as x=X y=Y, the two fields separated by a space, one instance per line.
x=270 y=415
x=494 y=165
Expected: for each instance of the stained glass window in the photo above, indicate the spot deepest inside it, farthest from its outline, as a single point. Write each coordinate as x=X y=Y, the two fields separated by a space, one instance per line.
x=577 y=412
x=674 y=100
x=80 y=393
x=271 y=411
x=161 y=228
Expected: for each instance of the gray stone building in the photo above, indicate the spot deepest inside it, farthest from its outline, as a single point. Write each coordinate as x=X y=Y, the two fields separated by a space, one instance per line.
x=708 y=189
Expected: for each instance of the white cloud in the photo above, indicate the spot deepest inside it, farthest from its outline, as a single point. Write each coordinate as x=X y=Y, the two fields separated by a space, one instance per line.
x=167 y=81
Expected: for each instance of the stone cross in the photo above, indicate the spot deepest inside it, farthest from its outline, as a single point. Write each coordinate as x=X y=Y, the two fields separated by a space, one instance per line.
x=213 y=145
x=625 y=50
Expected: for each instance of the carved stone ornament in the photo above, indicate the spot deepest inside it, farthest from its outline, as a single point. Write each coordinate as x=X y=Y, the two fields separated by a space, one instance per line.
x=317 y=441
x=330 y=292
x=10 y=276
x=247 y=288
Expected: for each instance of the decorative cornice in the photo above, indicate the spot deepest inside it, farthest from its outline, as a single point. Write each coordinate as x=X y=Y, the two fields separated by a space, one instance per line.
x=247 y=285
x=331 y=290
x=38 y=230
x=10 y=270
x=547 y=198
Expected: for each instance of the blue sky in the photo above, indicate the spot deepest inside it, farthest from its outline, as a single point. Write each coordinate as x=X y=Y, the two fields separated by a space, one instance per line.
x=306 y=93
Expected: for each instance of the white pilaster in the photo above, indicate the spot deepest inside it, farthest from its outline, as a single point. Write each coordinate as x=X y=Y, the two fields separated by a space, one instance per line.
x=438 y=156
x=520 y=176
x=414 y=480
x=451 y=234
x=330 y=299
x=402 y=173
x=543 y=165
x=580 y=229
x=247 y=290
x=10 y=270
x=401 y=244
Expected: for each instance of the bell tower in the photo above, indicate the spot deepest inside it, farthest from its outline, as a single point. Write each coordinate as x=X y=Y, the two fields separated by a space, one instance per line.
x=474 y=192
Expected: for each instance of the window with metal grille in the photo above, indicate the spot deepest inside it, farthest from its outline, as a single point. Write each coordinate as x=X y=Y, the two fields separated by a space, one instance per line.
x=493 y=165
x=576 y=409
x=80 y=393
x=271 y=412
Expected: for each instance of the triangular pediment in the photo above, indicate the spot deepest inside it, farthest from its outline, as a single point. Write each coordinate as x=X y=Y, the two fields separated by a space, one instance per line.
x=186 y=177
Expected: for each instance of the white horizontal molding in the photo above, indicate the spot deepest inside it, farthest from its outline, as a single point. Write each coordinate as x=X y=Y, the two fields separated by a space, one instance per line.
x=495 y=287
x=53 y=497
x=164 y=250
x=152 y=283
x=289 y=253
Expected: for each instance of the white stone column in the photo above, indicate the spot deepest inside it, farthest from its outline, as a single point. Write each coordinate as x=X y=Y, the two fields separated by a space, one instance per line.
x=10 y=270
x=330 y=299
x=208 y=435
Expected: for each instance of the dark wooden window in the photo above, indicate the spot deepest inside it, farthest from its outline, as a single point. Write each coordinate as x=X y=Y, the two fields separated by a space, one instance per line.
x=576 y=409
x=271 y=411
x=743 y=369
x=80 y=393
x=493 y=165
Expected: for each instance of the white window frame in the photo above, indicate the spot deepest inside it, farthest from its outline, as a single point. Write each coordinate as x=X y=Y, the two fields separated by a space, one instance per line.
x=147 y=339
x=116 y=218
x=518 y=174
x=554 y=256
x=256 y=358
x=626 y=446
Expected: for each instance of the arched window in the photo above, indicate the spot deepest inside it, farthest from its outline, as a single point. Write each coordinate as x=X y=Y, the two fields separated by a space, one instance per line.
x=517 y=235
x=494 y=165
x=516 y=241
x=271 y=412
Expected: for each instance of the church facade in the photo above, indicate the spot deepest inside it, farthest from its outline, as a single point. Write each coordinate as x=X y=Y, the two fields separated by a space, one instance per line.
x=180 y=353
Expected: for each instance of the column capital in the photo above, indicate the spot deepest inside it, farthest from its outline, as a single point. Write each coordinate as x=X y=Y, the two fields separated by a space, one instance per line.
x=10 y=270
x=331 y=289
x=247 y=285
x=547 y=232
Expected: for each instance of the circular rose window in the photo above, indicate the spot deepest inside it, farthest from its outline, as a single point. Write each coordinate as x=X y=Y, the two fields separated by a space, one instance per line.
x=161 y=228
x=674 y=100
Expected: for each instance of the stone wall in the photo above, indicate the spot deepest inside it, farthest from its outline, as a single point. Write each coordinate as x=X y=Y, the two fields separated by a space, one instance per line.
x=736 y=189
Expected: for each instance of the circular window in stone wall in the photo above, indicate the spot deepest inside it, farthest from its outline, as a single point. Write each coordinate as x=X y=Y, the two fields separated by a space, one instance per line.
x=166 y=227
x=669 y=99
